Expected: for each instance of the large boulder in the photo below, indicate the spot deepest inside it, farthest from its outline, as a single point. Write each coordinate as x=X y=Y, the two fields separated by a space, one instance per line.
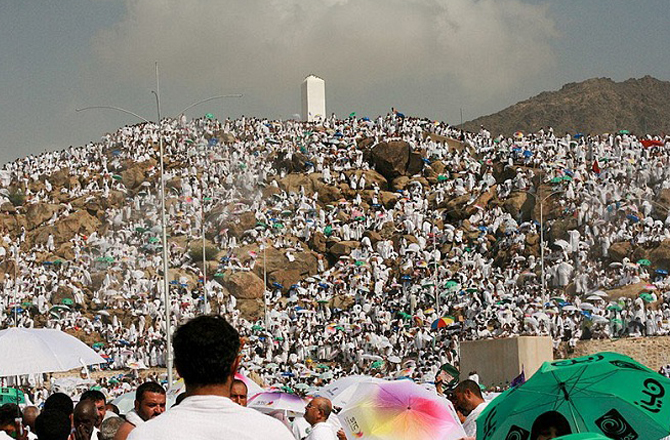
x=371 y=177
x=286 y=277
x=519 y=205
x=660 y=257
x=38 y=213
x=59 y=178
x=294 y=163
x=662 y=204
x=394 y=159
x=79 y=222
x=238 y=223
x=133 y=176
x=274 y=260
x=12 y=223
x=294 y=182
x=619 y=250
x=244 y=285
x=341 y=248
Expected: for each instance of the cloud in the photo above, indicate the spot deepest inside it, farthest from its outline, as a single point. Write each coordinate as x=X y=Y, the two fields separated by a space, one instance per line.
x=270 y=45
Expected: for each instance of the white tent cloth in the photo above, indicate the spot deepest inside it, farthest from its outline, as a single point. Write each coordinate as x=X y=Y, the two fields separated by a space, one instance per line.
x=41 y=350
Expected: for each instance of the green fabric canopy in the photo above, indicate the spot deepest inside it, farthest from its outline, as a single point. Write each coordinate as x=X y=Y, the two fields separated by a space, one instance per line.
x=607 y=393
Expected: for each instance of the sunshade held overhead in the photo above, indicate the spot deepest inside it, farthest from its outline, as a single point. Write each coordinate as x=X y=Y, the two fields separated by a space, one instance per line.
x=42 y=350
x=605 y=393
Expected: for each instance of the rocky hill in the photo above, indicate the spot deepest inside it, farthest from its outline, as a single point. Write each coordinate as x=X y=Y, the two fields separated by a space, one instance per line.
x=594 y=106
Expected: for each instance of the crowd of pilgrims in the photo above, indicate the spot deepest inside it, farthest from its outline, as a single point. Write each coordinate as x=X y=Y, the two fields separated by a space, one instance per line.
x=607 y=184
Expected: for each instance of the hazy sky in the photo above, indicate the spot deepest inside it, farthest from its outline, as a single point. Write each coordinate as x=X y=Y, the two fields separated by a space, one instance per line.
x=425 y=57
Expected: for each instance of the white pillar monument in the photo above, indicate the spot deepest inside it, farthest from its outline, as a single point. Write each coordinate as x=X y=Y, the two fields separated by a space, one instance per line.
x=313 y=99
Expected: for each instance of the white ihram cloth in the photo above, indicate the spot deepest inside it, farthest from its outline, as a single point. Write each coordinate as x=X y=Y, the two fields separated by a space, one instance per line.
x=322 y=431
x=470 y=424
x=211 y=418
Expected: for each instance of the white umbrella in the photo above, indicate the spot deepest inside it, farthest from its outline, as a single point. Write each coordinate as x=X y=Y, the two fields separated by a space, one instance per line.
x=344 y=389
x=42 y=350
x=269 y=402
x=600 y=293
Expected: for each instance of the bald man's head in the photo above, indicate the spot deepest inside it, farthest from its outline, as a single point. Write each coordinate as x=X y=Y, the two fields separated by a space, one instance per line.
x=85 y=417
x=30 y=414
x=318 y=410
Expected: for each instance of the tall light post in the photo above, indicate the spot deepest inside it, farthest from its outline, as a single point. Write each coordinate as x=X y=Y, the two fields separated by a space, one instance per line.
x=166 y=290
x=541 y=200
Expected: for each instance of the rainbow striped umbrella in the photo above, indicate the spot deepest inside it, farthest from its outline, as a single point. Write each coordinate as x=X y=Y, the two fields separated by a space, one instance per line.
x=399 y=409
x=445 y=321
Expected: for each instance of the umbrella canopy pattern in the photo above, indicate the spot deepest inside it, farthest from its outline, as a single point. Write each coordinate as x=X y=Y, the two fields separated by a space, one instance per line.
x=270 y=402
x=399 y=410
x=42 y=350
x=445 y=321
x=606 y=393
x=583 y=436
x=341 y=391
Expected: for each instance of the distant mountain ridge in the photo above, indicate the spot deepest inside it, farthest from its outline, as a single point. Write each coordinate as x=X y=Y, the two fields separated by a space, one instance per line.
x=594 y=106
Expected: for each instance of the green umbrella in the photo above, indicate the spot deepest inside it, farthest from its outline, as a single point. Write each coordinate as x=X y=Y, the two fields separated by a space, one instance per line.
x=615 y=307
x=328 y=230
x=604 y=392
x=11 y=395
x=644 y=262
x=359 y=263
x=218 y=275
x=624 y=132
x=556 y=180
x=141 y=230
x=117 y=177
x=257 y=327
x=451 y=284
x=352 y=114
x=209 y=116
x=67 y=301
x=583 y=436
x=647 y=297
x=154 y=239
x=442 y=178
x=377 y=364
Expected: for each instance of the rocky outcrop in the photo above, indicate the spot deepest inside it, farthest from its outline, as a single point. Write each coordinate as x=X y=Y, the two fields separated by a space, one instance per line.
x=394 y=159
x=244 y=285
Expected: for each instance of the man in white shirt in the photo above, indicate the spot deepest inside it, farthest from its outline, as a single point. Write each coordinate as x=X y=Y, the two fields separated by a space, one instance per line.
x=316 y=413
x=206 y=355
x=468 y=398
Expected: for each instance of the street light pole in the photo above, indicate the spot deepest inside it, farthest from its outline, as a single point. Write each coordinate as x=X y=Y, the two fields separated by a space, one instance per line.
x=541 y=200
x=166 y=292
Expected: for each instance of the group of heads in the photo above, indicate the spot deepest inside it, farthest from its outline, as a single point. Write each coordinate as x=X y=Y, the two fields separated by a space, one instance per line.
x=206 y=353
